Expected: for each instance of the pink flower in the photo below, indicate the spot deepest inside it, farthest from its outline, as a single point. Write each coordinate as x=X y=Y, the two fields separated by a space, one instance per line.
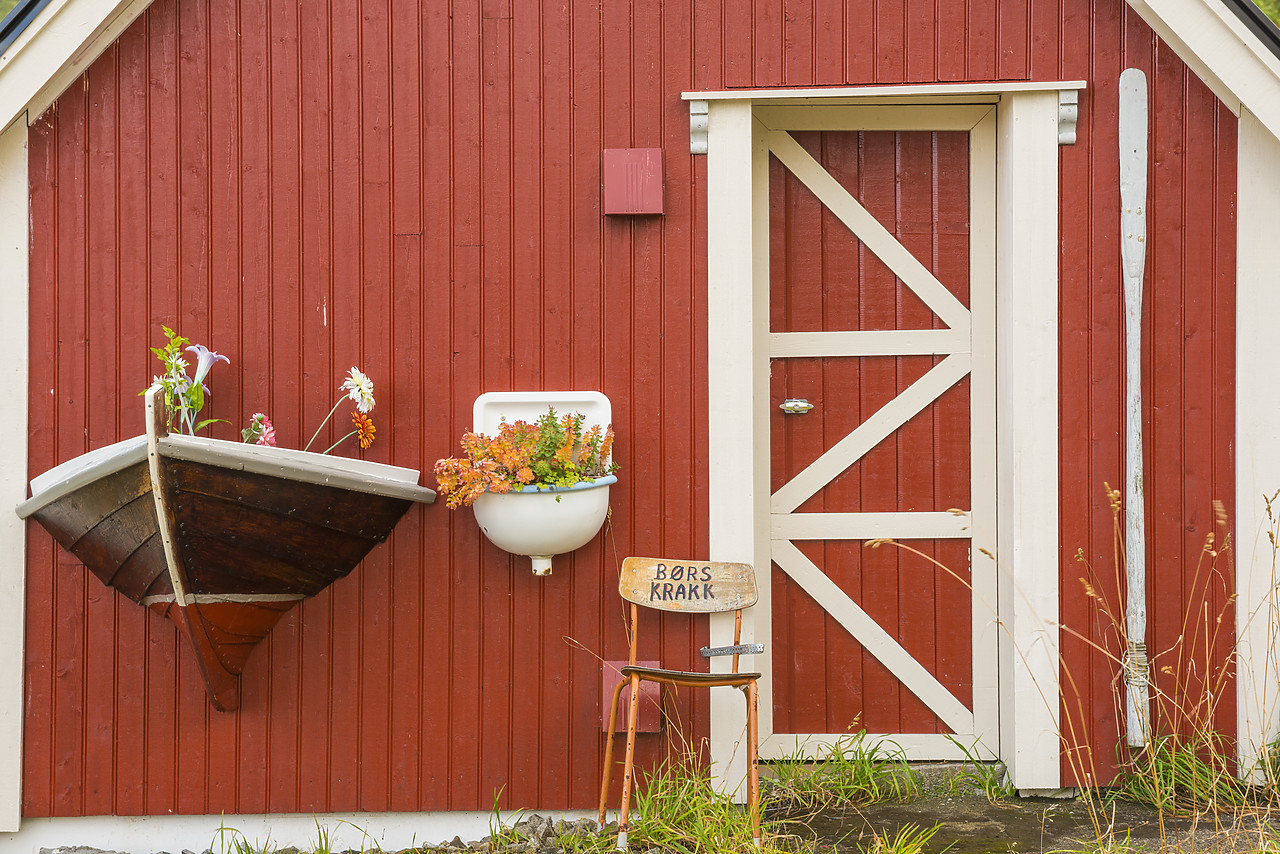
x=260 y=431
x=268 y=436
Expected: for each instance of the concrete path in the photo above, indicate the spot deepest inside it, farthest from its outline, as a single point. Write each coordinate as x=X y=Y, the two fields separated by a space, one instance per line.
x=970 y=824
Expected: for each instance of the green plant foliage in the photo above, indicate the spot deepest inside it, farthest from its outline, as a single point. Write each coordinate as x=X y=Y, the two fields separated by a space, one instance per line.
x=990 y=778
x=228 y=840
x=1271 y=8
x=184 y=396
x=502 y=834
x=1177 y=775
x=324 y=840
x=911 y=839
x=853 y=772
x=1109 y=845
x=553 y=451
x=677 y=810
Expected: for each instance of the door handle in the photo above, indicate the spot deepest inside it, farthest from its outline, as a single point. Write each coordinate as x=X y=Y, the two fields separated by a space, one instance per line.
x=794 y=406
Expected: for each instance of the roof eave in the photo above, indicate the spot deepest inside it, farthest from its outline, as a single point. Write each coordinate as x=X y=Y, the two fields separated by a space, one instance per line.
x=1221 y=50
x=64 y=39
x=68 y=35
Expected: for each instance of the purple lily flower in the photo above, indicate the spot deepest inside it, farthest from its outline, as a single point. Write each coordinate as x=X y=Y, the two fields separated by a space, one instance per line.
x=205 y=359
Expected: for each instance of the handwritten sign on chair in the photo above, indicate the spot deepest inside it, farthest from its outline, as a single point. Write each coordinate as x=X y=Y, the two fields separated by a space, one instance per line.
x=695 y=586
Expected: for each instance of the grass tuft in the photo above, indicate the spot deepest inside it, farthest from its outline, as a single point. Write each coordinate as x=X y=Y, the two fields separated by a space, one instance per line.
x=856 y=771
x=1181 y=776
x=990 y=778
x=228 y=840
x=910 y=839
x=677 y=810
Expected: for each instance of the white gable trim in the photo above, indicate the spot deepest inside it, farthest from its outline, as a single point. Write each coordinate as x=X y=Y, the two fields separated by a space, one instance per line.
x=1220 y=50
x=64 y=39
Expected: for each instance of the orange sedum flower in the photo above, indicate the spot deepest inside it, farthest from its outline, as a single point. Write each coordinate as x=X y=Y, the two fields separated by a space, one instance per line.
x=555 y=451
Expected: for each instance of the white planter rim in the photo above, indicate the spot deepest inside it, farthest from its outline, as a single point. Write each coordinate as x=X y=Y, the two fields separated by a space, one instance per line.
x=534 y=489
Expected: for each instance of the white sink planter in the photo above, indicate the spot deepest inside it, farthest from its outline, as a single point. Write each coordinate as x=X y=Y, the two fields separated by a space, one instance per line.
x=543 y=522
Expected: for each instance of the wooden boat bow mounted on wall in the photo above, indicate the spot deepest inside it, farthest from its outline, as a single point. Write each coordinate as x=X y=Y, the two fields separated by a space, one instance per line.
x=234 y=536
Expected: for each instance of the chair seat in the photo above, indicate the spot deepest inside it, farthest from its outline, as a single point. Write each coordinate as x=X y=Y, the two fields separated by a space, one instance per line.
x=688 y=677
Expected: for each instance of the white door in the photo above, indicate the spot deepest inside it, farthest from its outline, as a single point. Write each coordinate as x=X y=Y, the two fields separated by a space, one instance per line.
x=873 y=259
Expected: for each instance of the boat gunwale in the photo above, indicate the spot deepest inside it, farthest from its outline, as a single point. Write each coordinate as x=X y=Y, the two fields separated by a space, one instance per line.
x=83 y=470
x=303 y=466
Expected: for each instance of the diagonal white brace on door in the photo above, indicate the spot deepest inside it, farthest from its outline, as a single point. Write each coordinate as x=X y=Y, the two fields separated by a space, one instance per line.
x=871 y=432
x=869 y=230
x=873 y=638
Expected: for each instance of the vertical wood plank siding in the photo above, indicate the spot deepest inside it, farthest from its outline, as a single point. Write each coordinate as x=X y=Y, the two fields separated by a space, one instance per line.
x=414 y=188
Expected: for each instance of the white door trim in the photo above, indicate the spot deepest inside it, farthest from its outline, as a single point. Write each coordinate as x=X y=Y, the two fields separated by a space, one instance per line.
x=1027 y=437
x=1025 y=181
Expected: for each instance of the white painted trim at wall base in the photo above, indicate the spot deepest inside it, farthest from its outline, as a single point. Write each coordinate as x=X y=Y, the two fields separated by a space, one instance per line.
x=14 y=248
x=1257 y=425
x=392 y=831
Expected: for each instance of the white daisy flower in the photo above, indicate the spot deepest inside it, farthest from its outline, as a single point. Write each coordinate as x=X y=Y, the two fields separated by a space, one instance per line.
x=360 y=389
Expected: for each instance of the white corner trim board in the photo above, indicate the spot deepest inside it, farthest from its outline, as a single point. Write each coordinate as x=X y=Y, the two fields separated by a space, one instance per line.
x=1258 y=454
x=13 y=465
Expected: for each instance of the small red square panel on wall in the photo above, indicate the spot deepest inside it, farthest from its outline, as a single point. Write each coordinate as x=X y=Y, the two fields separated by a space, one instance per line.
x=650 y=697
x=633 y=180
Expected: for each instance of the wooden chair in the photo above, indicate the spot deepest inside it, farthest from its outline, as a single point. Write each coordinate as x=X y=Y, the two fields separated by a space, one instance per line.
x=701 y=587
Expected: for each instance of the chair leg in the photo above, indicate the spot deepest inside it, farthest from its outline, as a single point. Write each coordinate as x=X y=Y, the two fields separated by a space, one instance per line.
x=608 y=750
x=628 y=768
x=753 y=762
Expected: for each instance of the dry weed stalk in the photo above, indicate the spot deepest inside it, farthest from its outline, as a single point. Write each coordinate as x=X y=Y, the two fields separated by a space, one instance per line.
x=1188 y=769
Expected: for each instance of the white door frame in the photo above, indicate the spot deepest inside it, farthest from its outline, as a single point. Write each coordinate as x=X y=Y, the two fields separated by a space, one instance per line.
x=1031 y=121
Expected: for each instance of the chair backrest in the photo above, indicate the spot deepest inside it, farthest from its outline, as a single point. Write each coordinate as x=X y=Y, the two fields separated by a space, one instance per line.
x=696 y=586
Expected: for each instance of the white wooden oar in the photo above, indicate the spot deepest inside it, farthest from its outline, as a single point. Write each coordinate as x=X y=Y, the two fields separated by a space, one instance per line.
x=1133 y=255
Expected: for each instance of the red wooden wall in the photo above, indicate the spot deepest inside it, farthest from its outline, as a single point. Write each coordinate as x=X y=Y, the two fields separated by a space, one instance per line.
x=1188 y=380
x=414 y=188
